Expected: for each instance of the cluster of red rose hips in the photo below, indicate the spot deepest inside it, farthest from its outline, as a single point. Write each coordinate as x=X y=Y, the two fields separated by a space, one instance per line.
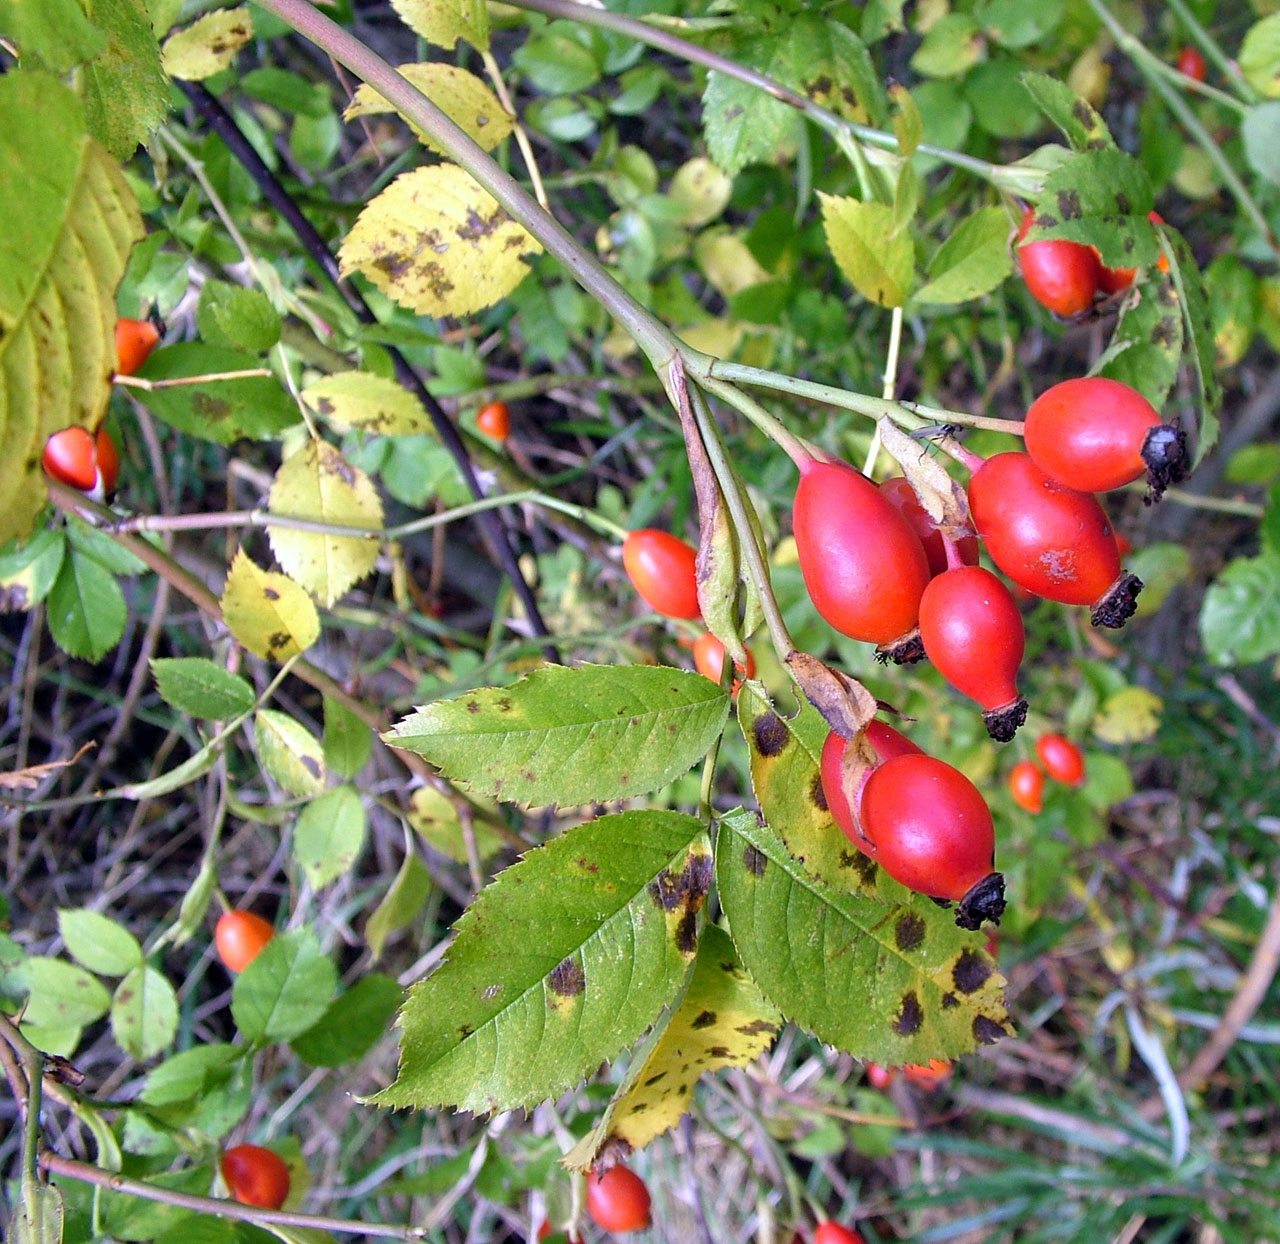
x=1063 y=762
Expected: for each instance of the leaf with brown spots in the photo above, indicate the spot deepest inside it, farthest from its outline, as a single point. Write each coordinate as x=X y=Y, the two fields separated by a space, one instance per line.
x=208 y=45
x=375 y=404
x=1079 y=121
x=318 y=483
x=885 y=977
x=559 y=964
x=289 y=752
x=570 y=736
x=439 y=244
x=444 y=22
x=722 y=1021
x=267 y=612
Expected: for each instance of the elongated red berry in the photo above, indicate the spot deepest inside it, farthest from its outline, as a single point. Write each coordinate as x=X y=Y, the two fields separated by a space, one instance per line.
x=135 y=339
x=1060 y=275
x=887 y=743
x=708 y=658
x=618 y=1200
x=972 y=632
x=932 y=831
x=71 y=457
x=1062 y=759
x=1053 y=540
x=1026 y=785
x=663 y=569
x=903 y=498
x=1191 y=63
x=863 y=565
x=1094 y=434
x=256 y=1176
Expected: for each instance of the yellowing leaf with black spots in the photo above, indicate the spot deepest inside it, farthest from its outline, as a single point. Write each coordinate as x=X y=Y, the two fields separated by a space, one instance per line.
x=570 y=736
x=69 y=222
x=289 y=752
x=558 y=965
x=877 y=260
x=444 y=22
x=208 y=45
x=893 y=982
x=268 y=613
x=375 y=404
x=319 y=483
x=788 y=786
x=436 y=242
x=723 y=1020
x=460 y=95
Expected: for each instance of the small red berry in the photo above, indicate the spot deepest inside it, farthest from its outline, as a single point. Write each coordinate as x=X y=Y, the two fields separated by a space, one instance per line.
x=708 y=658
x=618 y=1200
x=834 y=1233
x=880 y=1077
x=256 y=1176
x=71 y=457
x=494 y=420
x=135 y=339
x=1053 y=540
x=932 y=832
x=108 y=460
x=1026 y=785
x=929 y=1076
x=903 y=499
x=863 y=565
x=1062 y=759
x=1191 y=63
x=663 y=569
x=972 y=632
x=1060 y=275
x=1094 y=434
x=887 y=743
x=240 y=937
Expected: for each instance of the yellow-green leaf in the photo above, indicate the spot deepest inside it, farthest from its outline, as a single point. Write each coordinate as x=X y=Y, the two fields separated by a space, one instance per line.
x=1128 y=716
x=208 y=45
x=70 y=220
x=444 y=22
x=702 y=189
x=289 y=752
x=463 y=97
x=267 y=612
x=878 y=264
x=435 y=819
x=727 y=262
x=723 y=1021
x=438 y=243
x=375 y=404
x=318 y=483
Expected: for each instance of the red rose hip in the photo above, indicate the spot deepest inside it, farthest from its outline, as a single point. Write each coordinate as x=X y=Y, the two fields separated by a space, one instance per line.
x=903 y=499
x=618 y=1200
x=663 y=569
x=1026 y=785
x=1062 y=759
x=1060 y=275
x=256 y=1176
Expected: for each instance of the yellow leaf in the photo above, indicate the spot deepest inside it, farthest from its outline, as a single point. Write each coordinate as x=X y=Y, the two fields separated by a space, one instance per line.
x=359 y=399
x=466 y=100
x=289 y=752
x=444 y=22
x=702 y=189
x=438 y=243
x=1128 y=716
x=719 y=337
x=208 y=45
x=878 y=264
x=728 y=263
x=318 y=483
x=723 y=1021
x=267 y=612
x=435 y=819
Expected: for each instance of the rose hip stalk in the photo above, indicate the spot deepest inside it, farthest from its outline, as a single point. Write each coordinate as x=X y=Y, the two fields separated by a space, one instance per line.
x=1052 y=540
x=863 y=566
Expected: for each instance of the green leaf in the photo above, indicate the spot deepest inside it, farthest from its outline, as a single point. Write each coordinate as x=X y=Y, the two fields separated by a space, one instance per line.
x=99 y=943
x=348 y=741
x=231 y=317
x=434 y=817
x=1100 y=199
x=744 y=125
x=1017 y=24
x=375 y=404
x=828 y=63
x=509 y=1019
x=1161 y=567
x=125 y=92
x=221 y=411
x=202 y=688
x=285 y=990
x=878 y=263
x=972 y=261
x=888 y=982
x=1261 y=133
x=354 y=1023
x=86 y=609
x=952 y=46
x=1002 y=105
x=69 y=221
x=289 y=752
x=1080 y=122
x=560 y=60
x=570 y=736
x=1240 y=619
x=55 y=31
x=38 y=1215
x=1260 y=56
x=189 y=1075
x=1198 y=325
x=108 y=553
x=28 y=571
x=402 y=901
x=144 y=1013
x=1253 y=465
x=62 y=995
x=329 y=835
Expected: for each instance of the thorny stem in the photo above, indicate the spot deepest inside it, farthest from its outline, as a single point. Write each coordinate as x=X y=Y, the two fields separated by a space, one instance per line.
x=1146 y=63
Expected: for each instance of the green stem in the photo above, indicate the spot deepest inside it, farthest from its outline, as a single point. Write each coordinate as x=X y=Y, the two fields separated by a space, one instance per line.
x=795 y=448
x=682 y=48
x=907 y=414
x=654 y=338
x=1151 y=68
